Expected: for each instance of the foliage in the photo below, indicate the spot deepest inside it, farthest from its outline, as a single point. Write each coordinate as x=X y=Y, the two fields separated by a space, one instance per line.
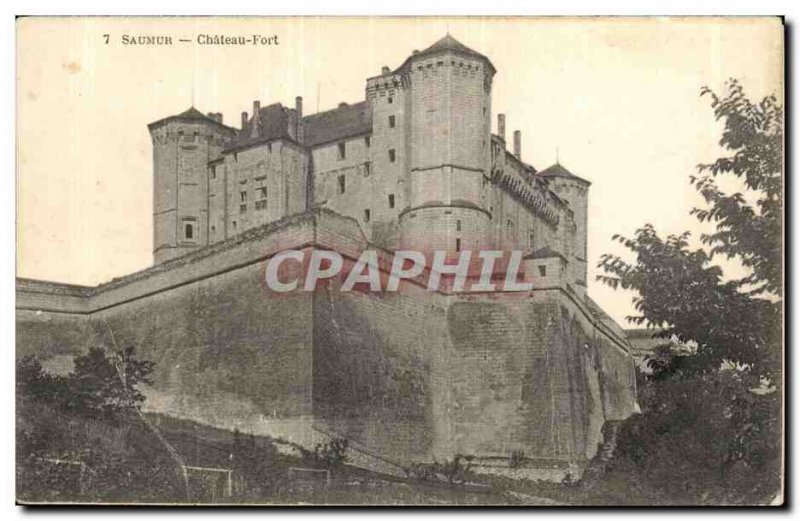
x=516 y=459
x=456 y=470
x=712 y=406
x=332 y=454
x=77 y=436
x=99 y=385
x=108 y=384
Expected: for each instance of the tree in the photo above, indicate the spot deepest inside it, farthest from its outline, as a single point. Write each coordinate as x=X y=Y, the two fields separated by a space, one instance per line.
x=33 y=382
x=718 y=403
x=103 y=384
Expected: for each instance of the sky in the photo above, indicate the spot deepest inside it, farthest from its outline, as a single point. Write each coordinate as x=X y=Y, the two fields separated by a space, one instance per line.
x=616 y=100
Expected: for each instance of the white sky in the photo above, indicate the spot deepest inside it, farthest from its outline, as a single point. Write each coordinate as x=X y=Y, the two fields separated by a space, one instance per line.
x=618 y=98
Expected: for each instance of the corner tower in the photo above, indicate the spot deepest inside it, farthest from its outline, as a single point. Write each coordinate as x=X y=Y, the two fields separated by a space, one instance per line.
x=450 y=88
x=575 y=191
x=182 y=147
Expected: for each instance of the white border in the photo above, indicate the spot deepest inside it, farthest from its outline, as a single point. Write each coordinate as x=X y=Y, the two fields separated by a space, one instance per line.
x=296 y=7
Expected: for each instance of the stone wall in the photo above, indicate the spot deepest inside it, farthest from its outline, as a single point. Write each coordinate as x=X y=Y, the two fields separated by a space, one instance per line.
x=407 y=376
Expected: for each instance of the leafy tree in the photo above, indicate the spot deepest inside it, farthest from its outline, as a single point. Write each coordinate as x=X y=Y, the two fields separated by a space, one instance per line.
x=716 y=405
x=33 y=382
x=103 y=384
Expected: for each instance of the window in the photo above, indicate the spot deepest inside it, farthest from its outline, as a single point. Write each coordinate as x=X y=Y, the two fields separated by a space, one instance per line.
x=242 y=208
x=458 y=244
x=391 y=121
x=391 y=200
x=261 y=204
x=366 y=215
x=342 y=151
x=542 y=271
x=392 y=155
x=458 y=225
x=510 y=228
x=341 y=184
x=366 y=169
x=390 y=100
x=234 y=225
x=213 y=229
x=213 y=172
x=242 y=196
x=368 y=141
x=530 y=238
x=188 y=231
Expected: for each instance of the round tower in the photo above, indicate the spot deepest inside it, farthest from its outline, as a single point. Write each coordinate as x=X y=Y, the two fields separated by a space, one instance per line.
x=182 y=147
x=575 y=191
x=449 y=146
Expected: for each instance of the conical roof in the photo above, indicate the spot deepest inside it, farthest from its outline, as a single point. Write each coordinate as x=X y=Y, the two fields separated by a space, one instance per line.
x=557 y=170
x=190 y=115
x=448 y=44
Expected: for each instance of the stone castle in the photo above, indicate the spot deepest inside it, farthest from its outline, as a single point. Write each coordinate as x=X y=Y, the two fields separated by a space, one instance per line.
x=406 y=377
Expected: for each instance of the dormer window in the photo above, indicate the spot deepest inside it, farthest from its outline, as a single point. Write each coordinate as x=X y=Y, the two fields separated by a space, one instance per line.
x=342 y=151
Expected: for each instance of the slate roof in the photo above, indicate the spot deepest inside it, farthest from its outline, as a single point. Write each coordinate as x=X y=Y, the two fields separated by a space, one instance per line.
x=545 y=253
x=448 y=44
x=339 y=123
x=190 y=115
x=273 y=123
x=557 y=170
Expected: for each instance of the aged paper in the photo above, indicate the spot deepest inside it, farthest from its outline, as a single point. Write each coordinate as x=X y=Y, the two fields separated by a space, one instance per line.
x=367 y=261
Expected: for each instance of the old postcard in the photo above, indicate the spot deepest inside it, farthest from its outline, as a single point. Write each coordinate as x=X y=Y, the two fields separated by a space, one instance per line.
x=400 y=261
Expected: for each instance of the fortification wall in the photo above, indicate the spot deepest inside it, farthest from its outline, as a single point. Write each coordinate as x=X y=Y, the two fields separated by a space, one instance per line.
x=409 y=376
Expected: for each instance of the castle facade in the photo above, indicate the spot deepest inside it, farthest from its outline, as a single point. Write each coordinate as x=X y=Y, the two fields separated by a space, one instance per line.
x=528 y=385
x=416 y=164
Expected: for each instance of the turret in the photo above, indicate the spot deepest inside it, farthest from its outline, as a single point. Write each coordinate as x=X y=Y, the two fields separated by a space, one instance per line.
x=450 y=114
x=182 y=147
x=575 y=191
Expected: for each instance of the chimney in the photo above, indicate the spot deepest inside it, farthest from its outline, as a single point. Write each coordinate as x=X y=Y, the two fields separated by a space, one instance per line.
x=219 y=117
x=384 y=70
x=256 y=116
x=244 y=120
x=298 y=112
x=501 y=126
x=342 y=105
x=518 y=144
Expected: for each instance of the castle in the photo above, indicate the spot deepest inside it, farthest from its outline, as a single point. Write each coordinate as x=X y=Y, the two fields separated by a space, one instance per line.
x=416 y=164
x=406 y=377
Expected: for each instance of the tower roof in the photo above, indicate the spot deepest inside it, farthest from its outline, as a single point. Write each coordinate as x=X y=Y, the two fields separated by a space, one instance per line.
x=190 y=115
x=557 y=170
x=448 y=44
